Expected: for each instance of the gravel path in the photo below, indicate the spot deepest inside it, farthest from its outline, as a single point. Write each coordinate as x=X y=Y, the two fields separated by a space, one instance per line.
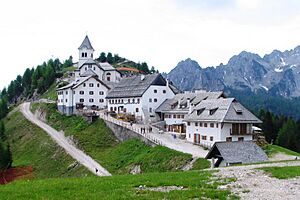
x=62 y=141
x=256 y=184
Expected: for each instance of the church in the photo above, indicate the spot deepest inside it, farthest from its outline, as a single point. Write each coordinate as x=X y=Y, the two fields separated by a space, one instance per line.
x=90 y=85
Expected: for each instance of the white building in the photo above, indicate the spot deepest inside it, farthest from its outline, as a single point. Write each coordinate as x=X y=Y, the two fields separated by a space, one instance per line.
x=92 y=82
x=87 y=92
x=173 y=111
x=140 y=96
x=222 y=119
x=104 y=71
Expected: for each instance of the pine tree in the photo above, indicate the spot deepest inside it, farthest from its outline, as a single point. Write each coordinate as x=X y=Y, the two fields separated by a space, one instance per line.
x=110 y=58
x=102 y=57
x=267 y=127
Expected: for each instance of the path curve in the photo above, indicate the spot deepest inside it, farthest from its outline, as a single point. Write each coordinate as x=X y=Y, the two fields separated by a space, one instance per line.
x=62 y=141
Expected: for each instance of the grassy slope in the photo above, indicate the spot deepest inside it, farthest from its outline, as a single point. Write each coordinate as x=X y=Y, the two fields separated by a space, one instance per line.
x=98 y=141
x=50 y=93
x=31 y=146
x=201 y=163
x=274 y=149
x=283 y=172
x=197 y=185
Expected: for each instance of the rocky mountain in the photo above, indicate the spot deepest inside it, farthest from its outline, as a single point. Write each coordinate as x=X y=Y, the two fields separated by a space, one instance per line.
x=277 y=73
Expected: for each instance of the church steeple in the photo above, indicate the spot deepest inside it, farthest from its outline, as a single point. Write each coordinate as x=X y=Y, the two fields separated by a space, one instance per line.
x=86 y=44
x=86 y=51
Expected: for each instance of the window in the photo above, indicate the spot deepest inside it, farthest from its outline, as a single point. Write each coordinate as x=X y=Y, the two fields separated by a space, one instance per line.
x=128 y=100
x=82 y=54
x=240 y=139
x=189 y=135
x=243 y=128
x=101 y=93
x=81 y=100
x=211 y=138
x=115 y=108
x=66 y=92
x=164 y=91
x=155 y=91
x=189 y=123
x=235 y=128
x=66 y=100
x=109 y=101
x=91 y=92
x=229 y=139
x=205 y=124
x=212 y=125
x=91 y=84
x=196 y=124
x=83 y=84
x=174 y=116
x=90 y=66
x=136 y=109
x=85 y=54
x=150 y=110
x=201 y=124
x=94 y=68
x=155 y=100
x=133 y=100
x=91 y=100
x=98 y=85
x=217 y=125
x=150 y=100
x=182 y=116
x=204 y=137
x=101 y=100
x=138 y=100
x=73 y=92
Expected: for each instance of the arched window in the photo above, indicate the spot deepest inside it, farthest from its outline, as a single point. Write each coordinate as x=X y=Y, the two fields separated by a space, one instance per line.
x=85 y=54
x=82 y=54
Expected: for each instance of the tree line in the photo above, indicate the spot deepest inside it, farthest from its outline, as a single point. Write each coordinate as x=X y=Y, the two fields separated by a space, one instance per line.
x=114 y=59
x=34 y=81
x=281 y=130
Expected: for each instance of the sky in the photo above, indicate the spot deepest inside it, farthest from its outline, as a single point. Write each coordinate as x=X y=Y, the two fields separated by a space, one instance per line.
x=160 y=32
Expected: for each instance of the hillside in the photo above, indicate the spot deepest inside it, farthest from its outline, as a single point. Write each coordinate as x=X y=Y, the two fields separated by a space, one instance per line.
x=118 y=158
x=31 y=146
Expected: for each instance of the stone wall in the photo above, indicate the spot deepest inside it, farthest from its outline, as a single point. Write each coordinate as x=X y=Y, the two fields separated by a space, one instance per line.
x=123 y=133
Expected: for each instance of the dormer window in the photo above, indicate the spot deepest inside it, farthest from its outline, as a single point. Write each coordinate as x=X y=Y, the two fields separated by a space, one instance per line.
x=200 y=111
x=212 y=111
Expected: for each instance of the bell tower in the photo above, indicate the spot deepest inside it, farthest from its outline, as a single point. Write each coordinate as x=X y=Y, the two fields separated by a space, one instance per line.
x=86 y=51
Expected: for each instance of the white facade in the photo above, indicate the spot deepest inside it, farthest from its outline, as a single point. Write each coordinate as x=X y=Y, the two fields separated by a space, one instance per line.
x=142 y=107
x=90 y=93
x=207 y=133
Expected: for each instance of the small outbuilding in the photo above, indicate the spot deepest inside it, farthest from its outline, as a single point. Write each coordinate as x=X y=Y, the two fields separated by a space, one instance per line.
x=241 y=152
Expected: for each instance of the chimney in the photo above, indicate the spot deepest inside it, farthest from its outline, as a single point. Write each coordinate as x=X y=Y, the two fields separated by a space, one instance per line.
x=167 y=82
x=142 y=77
x=189 y=105
x=179 y=102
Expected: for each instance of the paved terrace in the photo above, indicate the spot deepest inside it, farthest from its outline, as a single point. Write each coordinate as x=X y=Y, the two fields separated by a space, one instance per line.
x=164 y=139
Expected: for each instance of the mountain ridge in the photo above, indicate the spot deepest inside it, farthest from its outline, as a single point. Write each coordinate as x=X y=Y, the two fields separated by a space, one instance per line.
x=277 y=73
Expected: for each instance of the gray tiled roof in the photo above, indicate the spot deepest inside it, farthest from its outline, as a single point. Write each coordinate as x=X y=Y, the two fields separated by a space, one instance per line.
x=81 y=80
x=86 y=44
x=222 y=110
x=195 y=98
x=133 y=86
x=238 y=152
x=106 y=66
x=88 y=72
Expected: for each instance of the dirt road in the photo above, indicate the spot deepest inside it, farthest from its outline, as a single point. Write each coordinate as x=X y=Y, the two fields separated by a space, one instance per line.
x=62 y=141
